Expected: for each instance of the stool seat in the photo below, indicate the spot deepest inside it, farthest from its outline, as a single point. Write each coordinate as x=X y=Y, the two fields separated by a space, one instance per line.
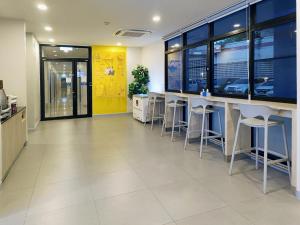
x=199 y=110
x=202 y=107
x=173 y=105
x=157 y=100
x=258 y=117
x=154 y=101
x=254 y=122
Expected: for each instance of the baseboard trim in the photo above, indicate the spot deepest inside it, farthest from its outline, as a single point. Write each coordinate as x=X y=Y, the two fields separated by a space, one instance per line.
x=113 y=114
x=35 y=126
x=296 y=193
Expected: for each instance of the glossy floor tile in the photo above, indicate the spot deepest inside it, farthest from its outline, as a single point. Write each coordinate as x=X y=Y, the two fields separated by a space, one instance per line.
x=132 y=209
x=115 y=171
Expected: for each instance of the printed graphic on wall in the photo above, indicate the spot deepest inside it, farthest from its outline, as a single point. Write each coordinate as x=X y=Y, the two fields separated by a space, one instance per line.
x=109 y=80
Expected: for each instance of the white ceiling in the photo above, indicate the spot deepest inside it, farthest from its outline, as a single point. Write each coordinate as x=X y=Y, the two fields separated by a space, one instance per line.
x=81 y=22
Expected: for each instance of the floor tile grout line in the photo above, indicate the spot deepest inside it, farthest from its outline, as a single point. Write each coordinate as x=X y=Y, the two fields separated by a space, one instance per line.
x=34 y=186
x=246 y=218
x=160 y=203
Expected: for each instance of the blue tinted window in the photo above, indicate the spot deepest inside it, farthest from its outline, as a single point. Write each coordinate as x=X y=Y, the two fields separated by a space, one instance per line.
x=275 y=61
x=197 y=34
x=174 y=43
x=229 y=23
x=174 y=71
x=231 y=65
x=196 y=59
x=270 y=9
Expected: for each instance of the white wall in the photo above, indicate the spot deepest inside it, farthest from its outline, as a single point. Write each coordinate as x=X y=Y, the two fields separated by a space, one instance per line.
x=153 y=57
x=134 y=56
x=13 y=58
x=33 y=81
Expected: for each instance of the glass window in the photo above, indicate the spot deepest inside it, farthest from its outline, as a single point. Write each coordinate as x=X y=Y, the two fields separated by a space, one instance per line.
x=174 y=71
x=57 y=52
x=275 y=61
x=232 y=22
x=197 y=34
x=174 y=43
x=196 y=68
x=270 y=9
x=231 y=65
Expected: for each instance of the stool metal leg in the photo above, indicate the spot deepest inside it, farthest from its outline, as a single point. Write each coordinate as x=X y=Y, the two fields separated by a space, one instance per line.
x=164 y=124
x=256 y=147
x=159 y=112
x=179 y=113
x=206 y=128
x=234 y=145
x=187 y=136
x=148 y=112
x=153 y=113
x=202 y=132
x=221 y=131
x=266 y=129
x=173 y=125
x=286 y=149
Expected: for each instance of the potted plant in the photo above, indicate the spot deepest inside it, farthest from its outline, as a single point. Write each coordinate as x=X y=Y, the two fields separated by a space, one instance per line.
x=140 y=83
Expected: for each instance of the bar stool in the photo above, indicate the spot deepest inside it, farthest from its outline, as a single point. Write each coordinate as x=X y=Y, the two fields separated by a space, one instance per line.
x=259 y=117
x=199 y=106
x=173 y=102
x=153 y=100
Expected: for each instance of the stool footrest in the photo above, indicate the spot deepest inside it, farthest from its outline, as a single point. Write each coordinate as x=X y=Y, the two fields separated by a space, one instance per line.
x=271 y=162
x=244 y=151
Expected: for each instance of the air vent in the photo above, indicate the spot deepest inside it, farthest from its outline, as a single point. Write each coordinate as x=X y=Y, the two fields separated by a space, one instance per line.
x=131 y=33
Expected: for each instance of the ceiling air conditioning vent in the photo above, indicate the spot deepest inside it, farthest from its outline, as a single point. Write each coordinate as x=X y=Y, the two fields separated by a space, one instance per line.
x=131 y=33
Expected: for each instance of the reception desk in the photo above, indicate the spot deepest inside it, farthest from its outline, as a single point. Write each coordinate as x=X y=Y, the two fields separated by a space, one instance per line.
x=13 y=133
x=231 y=116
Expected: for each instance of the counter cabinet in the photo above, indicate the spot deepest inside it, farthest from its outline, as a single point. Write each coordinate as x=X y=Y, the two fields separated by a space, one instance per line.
x=13 y=138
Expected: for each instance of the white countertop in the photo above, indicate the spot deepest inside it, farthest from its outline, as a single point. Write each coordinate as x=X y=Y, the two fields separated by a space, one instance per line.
x=274 y=105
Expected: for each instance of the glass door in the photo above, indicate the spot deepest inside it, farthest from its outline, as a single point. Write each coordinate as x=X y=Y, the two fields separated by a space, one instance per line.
x=82 y=88
x=66 y=82
x=58 y=89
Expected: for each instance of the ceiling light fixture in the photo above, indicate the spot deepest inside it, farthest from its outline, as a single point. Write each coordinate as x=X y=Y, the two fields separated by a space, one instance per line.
x=51 y=40
x=237 y=25
x=42 y=7
x=48 y=28
x=119 y=44
x=156 y=19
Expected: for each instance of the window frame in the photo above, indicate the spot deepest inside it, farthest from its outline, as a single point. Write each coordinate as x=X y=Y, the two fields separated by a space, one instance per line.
x=231 y=34
x=261 y=26
x=250 y=29
x=167 y=52
x=191 y=46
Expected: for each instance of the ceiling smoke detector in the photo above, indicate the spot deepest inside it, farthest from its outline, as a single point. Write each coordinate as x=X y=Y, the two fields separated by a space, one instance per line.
x=131 y=33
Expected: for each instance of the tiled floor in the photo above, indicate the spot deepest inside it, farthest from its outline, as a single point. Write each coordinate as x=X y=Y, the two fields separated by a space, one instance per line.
x=114 y=171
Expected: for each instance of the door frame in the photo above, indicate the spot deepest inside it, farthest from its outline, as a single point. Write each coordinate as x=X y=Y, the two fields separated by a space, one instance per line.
x=74 y=81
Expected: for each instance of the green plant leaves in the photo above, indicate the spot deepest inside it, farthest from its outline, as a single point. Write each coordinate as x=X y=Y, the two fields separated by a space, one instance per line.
x=140 y=83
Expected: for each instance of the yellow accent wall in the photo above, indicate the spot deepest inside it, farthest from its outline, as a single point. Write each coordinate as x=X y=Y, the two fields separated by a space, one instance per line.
x=109 y=74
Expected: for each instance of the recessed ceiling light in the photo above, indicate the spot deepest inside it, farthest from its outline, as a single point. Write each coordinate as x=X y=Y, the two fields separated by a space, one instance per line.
x=237 y=25
x=48 y=28
x=51 y=40
x=119 y=44
x=156 y=18
x=55 y=55
x=42 y=7
x=54 y=51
